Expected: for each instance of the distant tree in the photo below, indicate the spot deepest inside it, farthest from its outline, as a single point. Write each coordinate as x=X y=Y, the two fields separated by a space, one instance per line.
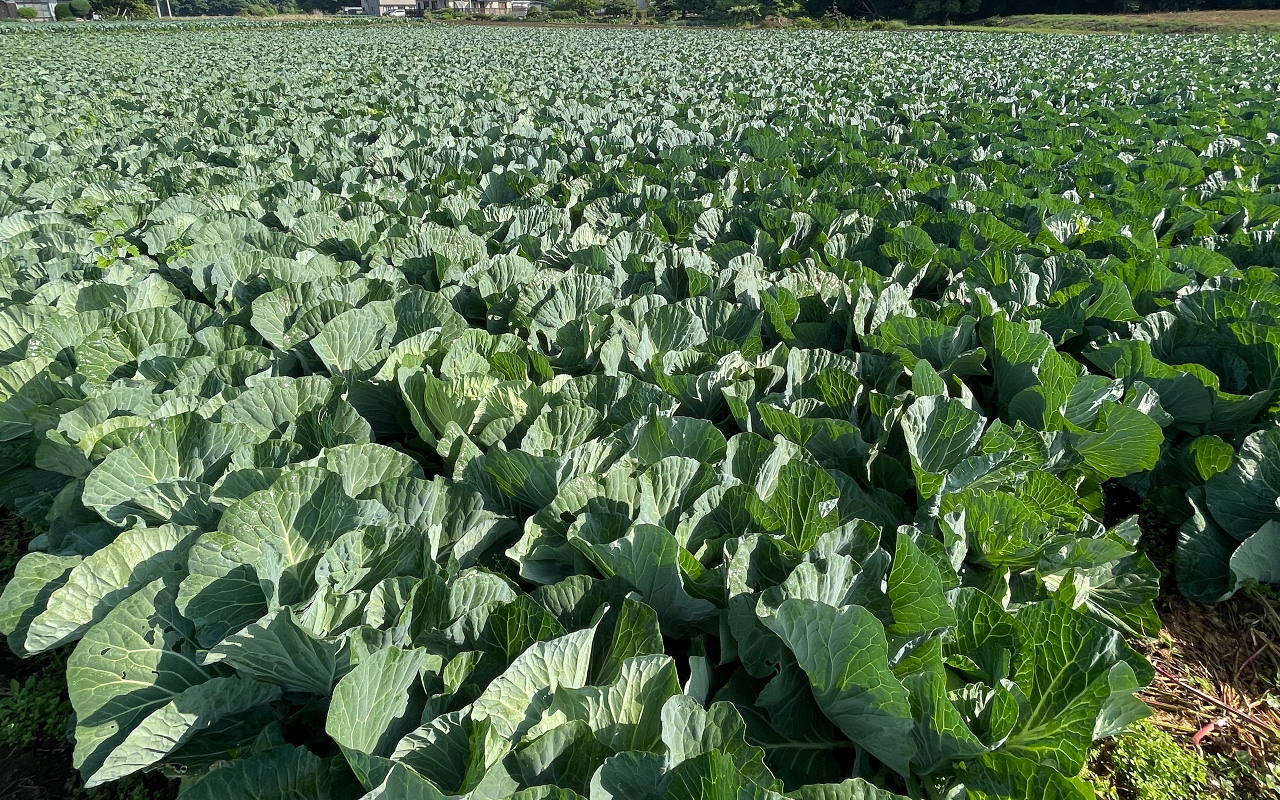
x=617 y=9
x=324 y=6
x=27 y=12
x=585 y=8
x=962 y=10
x=672 y=9
x=130 y=9
x=738 y=11
x=81 y=9
x=780 y=8
x=62 y=12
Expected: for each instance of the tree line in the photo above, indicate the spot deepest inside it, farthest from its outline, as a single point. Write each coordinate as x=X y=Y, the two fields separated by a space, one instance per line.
x=964 y=10
x=934 y=10
x=722 y=11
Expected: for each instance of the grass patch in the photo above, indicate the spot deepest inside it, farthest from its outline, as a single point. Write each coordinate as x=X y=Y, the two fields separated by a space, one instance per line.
x=1146 y=763
x=35 y=709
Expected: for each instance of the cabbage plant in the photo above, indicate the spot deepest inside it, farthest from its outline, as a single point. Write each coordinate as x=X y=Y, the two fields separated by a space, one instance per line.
x=415 y=411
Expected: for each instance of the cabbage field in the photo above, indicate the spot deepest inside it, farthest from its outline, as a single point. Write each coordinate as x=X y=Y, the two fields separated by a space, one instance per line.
x=418 y=411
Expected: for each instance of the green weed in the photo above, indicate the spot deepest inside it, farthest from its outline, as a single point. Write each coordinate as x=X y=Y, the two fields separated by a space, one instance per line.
x=35 y=709
x=1236 y=777
x=1146 y=763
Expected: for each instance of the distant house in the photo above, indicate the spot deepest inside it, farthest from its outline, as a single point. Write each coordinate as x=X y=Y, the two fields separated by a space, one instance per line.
x=490 y=8
x=388 y=8
x=44 y=8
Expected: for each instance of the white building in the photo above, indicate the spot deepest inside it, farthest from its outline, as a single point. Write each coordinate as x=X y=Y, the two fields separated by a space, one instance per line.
x=388 y=8
x=490 y=8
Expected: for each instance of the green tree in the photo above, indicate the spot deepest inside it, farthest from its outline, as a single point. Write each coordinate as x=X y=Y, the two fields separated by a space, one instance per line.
x=672 y=9
x=584 y=8
x=81 y=9
x=738 y=11
x=62 y=12
x=130 y=9
x=27 y=12
x=618 y=9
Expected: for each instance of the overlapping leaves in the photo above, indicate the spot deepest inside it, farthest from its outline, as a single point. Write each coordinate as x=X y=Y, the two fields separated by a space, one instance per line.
x=606 y=429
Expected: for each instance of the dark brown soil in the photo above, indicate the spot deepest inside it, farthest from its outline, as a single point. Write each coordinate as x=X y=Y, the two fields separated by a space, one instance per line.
x=34 y=774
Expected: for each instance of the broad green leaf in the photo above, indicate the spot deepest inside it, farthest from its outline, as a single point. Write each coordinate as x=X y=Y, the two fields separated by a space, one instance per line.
x=1128 y=441
x=136 y=557
x=1203 y=558
x=1001 y=776
x=846 y=656
x=659 y=437
x=916 y=592
x=985 y=638
x=36 y=578
x=275 y=649
x=940 y=431
x=1258 y=557
x=283 y=773
x=648 y=559
x=363 y=466
x=457 y=757
x=377 y=703
x=624 y=715
x=402 y=783
x=689 y=731
x=852 y=789
x=713 y=776
x=515 y=700
x=636 y=633
x=1243 y=498
x=180 y=447
x=941 y=735
x=628 y=776
x=566 y=755
x=266 y=548
x=804 y=500
x=135 y=661
x=351 y=340
x=1064 y=668
x=172 y=725
x=1211 y=455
